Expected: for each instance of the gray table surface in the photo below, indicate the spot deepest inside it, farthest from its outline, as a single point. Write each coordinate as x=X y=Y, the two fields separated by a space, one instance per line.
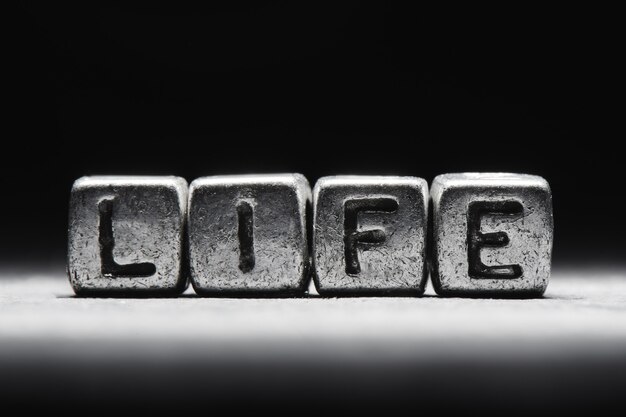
x=578 y=328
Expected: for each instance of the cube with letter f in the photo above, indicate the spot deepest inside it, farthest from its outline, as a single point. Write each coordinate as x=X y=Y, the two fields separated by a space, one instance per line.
x=369 y=235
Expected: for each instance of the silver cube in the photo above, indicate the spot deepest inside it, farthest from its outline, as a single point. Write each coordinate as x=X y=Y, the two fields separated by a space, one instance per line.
x=126 y=235
x=492 y=234
x=369 y=235
x=248 y=235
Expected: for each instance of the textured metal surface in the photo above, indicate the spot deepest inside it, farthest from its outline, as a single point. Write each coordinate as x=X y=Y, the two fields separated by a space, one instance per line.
x=126 y=235
x=492 y=234
x=248 y=235
x=382 y=220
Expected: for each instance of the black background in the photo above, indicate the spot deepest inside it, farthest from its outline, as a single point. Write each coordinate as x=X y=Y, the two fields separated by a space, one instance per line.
x=318 y=88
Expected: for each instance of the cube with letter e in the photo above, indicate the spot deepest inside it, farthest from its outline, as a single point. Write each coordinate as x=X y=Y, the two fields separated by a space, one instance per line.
x=491 y=234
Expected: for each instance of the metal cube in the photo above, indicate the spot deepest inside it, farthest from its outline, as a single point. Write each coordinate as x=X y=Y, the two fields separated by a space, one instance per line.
x=248 y=235
x=126 y=235
x=492 y=234
x=369 y=235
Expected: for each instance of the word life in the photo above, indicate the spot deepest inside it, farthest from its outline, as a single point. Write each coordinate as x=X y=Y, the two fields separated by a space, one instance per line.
x=476 y=234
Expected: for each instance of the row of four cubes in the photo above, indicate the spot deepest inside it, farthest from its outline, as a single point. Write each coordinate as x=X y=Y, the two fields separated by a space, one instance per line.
x=486 y=234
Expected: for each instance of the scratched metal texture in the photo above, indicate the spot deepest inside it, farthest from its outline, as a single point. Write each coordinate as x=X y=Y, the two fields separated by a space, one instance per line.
x=397 y=266
x=148 y=226
x=281 y=250
x=530 y=235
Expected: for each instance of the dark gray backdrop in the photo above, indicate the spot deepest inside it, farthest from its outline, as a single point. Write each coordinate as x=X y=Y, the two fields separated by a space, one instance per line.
x=315 y=88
